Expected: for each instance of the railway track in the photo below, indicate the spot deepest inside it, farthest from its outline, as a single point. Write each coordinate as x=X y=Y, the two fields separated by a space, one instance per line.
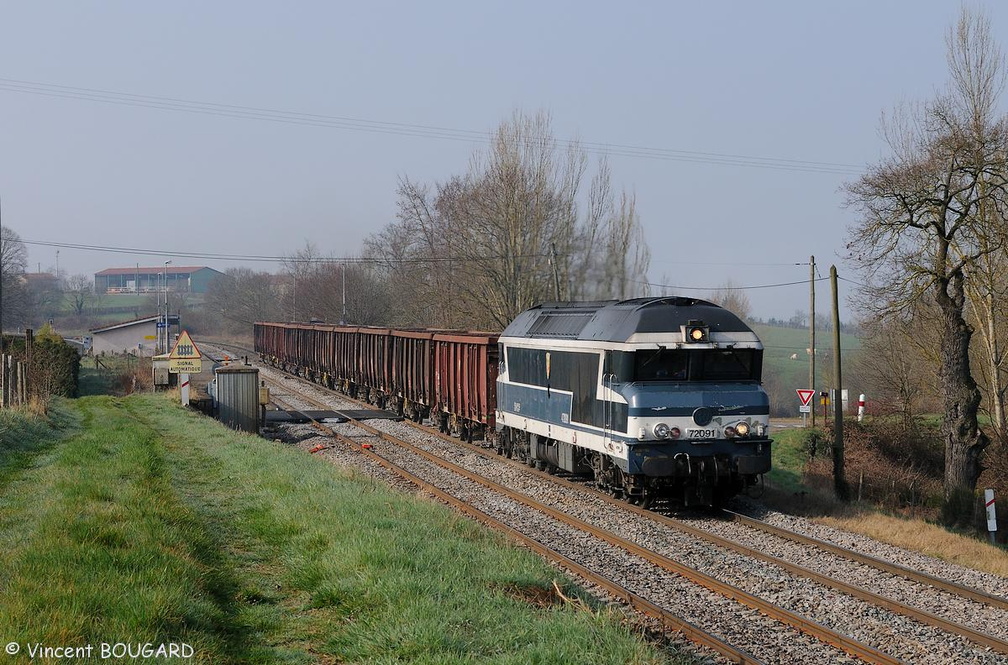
x=908 y=634
x=551 y=526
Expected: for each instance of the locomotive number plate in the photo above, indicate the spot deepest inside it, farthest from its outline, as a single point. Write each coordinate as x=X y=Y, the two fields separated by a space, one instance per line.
x=708 y=433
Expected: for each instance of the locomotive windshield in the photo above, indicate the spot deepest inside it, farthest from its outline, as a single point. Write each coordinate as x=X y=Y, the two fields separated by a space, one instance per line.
x=662 y=364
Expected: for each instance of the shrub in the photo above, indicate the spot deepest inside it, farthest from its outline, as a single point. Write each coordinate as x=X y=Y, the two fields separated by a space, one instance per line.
x=54 y=366
x=884 y=465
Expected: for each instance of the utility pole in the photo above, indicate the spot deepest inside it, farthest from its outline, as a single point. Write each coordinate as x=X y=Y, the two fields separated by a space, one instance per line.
x=811 y=327
x=839 y=483
x=343 y=271
x=556 y=270
x=166 y=343
x=157 y=294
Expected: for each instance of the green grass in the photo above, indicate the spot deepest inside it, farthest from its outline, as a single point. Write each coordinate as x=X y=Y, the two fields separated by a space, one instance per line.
x=106 y=374
x=24 y=436
x=789 y=453
x=148 y=523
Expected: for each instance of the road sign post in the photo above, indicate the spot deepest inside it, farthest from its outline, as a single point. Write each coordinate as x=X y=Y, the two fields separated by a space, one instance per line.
x=185 y=359
x=805 y=397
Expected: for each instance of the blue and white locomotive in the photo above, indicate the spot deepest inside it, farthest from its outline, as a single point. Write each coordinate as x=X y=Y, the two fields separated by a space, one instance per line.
x=657 y=397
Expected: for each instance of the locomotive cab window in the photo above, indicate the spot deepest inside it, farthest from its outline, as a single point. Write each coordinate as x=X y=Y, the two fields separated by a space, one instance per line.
x=664 y=364
x=619 y=364
x=728 y=365
x=661 y=364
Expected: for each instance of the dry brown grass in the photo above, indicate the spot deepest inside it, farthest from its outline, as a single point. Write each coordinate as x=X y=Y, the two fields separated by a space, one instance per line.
x=927 y=538
x=895 y=481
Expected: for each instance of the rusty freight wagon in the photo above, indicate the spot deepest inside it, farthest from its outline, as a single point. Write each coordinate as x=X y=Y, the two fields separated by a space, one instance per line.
x=448 y=376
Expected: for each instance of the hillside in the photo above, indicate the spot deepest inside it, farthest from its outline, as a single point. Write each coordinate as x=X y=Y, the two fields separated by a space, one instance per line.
x=786 y=364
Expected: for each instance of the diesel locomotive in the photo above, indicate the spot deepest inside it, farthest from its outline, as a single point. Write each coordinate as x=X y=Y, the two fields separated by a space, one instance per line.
x=657 y=397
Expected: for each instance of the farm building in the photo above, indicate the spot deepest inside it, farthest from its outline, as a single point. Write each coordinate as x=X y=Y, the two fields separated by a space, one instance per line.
x=194 y=279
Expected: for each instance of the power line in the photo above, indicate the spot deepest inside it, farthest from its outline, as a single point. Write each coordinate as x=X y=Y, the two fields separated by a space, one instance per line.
x=728 y=288
x=861 y=285
x=780 y=264
x=270 y=259
x=366 y=260
x=408 y=129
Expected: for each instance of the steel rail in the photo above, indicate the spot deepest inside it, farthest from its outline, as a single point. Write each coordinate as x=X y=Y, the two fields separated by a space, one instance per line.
x=874 y=562
x=639 y=603
x=977 y=637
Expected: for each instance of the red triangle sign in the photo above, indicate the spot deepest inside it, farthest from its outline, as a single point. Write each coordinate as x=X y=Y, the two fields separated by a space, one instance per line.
x=805 y=395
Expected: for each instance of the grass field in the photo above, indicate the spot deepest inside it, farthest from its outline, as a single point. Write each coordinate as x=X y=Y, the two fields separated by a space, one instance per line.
x=130 y=521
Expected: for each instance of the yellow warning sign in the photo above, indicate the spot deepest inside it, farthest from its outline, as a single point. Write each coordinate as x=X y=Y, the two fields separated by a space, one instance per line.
x=185 y=357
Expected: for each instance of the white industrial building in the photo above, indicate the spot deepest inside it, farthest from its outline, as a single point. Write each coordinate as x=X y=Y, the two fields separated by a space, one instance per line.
x=138 y=337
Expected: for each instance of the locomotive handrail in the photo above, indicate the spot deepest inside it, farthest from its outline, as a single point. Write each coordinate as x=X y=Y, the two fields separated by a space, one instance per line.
x=607 y=382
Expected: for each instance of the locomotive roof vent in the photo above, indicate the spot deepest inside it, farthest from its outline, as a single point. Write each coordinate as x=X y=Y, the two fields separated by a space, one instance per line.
x=561 y=323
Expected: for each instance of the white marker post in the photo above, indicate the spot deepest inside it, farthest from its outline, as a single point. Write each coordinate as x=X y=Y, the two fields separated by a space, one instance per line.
x=991 y=515
x=860 y=408
x=184 y=388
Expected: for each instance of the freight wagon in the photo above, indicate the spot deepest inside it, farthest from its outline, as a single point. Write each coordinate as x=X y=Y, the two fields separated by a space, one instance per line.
x=448 y=376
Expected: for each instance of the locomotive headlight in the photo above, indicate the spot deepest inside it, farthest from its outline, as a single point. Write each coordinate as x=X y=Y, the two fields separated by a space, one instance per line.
x=729 y=432
x=661 y=431
x=695 y=331
x=742 y=429
x=674 y=433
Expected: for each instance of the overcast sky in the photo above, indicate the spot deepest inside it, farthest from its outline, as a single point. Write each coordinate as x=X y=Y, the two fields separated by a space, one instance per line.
x=140 y=125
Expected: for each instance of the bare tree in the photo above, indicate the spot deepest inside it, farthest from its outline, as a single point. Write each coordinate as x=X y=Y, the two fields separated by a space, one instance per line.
x=15 y=304
x=44 y=300
x=243 y=297
x=987 y=292
x=732 y=298
x=627 y=256
x=514 y=231
x=347 y=291
x=517 y=209
x=80 y=291
x=894 y=363
x=298 y=297
x=922 y=229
